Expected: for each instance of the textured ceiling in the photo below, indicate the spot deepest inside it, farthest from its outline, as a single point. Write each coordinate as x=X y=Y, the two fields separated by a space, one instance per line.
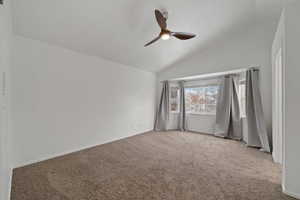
x=118 y=29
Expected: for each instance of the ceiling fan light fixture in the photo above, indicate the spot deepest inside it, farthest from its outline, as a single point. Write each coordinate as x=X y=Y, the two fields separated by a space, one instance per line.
x=165 y=33
x=165 y=36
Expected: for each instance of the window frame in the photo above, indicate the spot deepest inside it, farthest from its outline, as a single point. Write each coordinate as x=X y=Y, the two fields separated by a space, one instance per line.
x=241 y=82
x=203 y=86
x=171 y=99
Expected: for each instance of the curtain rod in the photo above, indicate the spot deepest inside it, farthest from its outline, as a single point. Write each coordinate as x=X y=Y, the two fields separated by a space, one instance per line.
x=210 y=75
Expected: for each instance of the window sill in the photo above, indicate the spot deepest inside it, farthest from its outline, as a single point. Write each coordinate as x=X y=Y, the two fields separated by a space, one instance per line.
x=209 y=114
x=205 y=114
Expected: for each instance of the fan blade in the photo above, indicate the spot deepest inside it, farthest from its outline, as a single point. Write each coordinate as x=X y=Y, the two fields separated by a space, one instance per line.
x=183 y=36
x=152 y=41
x=161 y=20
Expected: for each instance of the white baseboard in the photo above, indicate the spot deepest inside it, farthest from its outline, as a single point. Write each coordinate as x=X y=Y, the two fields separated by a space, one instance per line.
x=289 y=193
x=76 y=150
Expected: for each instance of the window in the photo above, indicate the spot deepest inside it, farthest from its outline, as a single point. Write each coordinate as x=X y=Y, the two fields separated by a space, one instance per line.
x=174 y=99
x=201 y=99
x=242 y=97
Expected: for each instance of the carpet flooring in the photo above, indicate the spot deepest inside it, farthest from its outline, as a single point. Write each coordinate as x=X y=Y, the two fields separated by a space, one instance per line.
x=156 y=166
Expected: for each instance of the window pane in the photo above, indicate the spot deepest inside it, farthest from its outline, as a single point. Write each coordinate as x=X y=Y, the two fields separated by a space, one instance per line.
x=187 y=100
x=211 y=109
x=174 y=92
x=174 y=99
x=211 y=94
x=197 y=100
x=174 y=106
x=200 y=108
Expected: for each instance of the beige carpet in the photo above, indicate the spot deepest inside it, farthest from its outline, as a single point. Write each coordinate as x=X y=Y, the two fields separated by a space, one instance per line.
x=156 y=166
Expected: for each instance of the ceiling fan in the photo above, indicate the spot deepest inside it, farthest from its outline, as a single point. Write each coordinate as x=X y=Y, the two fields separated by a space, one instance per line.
x=165 y=34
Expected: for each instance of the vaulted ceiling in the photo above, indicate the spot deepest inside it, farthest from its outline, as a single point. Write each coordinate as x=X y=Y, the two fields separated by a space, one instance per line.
x=118 y=29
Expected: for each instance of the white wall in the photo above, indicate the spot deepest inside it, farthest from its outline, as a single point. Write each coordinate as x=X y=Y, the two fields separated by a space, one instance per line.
x=64 y=101
x=250 y=47
x=5 y=44
x=292 y=99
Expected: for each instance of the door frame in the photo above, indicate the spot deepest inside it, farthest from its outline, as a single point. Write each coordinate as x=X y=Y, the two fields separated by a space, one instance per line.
x=278 y=125
x=279 y=43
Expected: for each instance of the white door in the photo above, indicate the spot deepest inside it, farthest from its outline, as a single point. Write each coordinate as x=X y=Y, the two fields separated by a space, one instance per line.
x=2 y=150
x=278 y=107
x=3 y=111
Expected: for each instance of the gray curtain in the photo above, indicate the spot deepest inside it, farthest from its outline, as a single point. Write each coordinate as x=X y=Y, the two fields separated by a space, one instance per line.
x=254 y=112
x=162 y=115
x=182 y=114
x=228 y=119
